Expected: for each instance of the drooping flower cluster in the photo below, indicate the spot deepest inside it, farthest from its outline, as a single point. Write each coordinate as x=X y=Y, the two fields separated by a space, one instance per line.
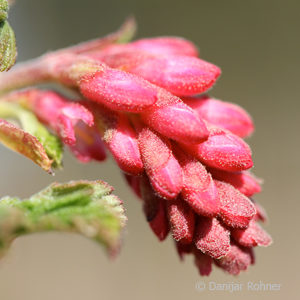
x=181 y=150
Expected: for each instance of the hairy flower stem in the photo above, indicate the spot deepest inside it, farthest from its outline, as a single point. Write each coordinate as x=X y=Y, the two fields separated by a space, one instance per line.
x=37 y=70
x=25 y=74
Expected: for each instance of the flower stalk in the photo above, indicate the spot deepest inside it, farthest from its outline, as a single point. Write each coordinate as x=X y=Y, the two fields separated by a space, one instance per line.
x=181 y=152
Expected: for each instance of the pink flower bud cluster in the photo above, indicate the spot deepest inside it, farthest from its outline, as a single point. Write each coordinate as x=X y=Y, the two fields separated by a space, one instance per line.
x=182 y=152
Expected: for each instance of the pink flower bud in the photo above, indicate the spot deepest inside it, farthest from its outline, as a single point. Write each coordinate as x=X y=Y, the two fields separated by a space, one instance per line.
x=222 y=150
x=225 y=115
x=120 y=138
x=71 y=121
x=245 y=182
x=180 y=75
x=160 y=164
x=237 y=259
x=182 y=220
x=118 y=90
x=174 y=119
x=236 y=209
x=252 y=236
x=211 y=237
x=167 y=46
x=203 y=262
x=198 y=189
x=57 y=112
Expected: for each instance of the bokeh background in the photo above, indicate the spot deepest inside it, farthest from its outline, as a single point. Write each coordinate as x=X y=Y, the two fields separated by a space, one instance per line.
x=256 y=43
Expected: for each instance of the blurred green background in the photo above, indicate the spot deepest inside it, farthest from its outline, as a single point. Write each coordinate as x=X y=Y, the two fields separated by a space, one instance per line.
x=256 y=43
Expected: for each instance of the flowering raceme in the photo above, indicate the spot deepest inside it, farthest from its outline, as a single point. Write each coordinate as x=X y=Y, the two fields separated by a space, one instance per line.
x=181 y=152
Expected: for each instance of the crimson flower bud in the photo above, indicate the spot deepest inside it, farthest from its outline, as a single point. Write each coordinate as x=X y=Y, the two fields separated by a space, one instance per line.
x=222 y=150
x=211 y=237
x=244 y=181
x=236 y=210
x=182 y=220
x=222 y=114
x=252 y=236
x=160 y=164
x=237 y=259
x=198 y=189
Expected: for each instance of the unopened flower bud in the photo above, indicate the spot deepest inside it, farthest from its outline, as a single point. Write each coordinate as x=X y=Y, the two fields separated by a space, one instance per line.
x=238 y=259
x=118 y=90
x=252 y=236
x=198 y=189
x=222 y=150
x=175 y=120
x=180 y=75
x=160 y=164
x=211 y=237
x=244 y=181
x=225 y=115
x=182 y=220
x=55 y=111
x=236 y=210
x=119 y=137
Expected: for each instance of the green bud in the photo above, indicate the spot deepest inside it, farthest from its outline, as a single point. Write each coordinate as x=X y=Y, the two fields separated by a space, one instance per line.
x=8 y=51
x=3 y=10
x=85 y=207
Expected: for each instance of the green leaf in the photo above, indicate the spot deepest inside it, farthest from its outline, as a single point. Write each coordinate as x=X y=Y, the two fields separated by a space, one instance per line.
x=3 y=10
x=84 y=207
x=32 y=140
x=8 y=51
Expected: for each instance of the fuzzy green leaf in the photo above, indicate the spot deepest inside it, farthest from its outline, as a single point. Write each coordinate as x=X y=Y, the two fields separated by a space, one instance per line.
x=8 y=51
x=84 y=207
x=32 y=140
